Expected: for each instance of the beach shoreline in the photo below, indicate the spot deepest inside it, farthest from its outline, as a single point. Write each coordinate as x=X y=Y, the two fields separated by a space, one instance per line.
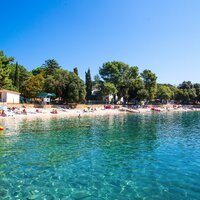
x=47 y=114
x=59 y=113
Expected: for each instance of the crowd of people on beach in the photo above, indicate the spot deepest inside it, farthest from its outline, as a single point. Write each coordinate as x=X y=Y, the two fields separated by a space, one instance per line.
x=16 y=111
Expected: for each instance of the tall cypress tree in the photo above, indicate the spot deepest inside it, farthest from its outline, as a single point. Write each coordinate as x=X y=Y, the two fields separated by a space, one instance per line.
x=76 y=71
x=16 y=78
x=88 y=83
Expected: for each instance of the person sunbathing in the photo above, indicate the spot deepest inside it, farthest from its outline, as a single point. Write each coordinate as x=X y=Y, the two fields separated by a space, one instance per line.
x=24 y=111
x=54 y=111
x=38 y=111
x=3 y=114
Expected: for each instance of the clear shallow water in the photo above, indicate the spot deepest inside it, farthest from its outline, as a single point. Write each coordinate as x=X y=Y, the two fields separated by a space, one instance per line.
x=108 y=157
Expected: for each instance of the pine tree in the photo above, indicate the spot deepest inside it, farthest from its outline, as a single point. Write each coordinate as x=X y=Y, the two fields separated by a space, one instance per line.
x=50 y=66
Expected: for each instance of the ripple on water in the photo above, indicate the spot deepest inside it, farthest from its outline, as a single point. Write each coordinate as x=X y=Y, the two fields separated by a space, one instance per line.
x=107 y=157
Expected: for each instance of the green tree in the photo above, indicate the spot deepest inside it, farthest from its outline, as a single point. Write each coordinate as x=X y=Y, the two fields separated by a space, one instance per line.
x=186 y=93
x=182 y=96
x=38 y=70
x=192 y=95
x=18 y=74
x=76 y=71
x=120 y=74
x=137 y=89
x=124 y=87
x=107 y=89
x=66 y=85
x=142 y=94
x=187 y=85
x=197 y=88
x=172 y=88
x=150 y=83
x=57 y=83
x=88 y=83
x=50 y=66
x=16 y=77
x=5 y=81
x=32 y=86
x=75 y=91
x=164 y=92
x=114 y=72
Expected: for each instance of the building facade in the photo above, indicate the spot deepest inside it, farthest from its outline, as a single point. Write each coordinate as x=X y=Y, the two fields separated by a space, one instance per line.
x=8 y=96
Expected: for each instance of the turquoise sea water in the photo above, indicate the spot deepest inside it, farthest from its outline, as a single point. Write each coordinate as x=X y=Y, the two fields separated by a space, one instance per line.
x=150 y=156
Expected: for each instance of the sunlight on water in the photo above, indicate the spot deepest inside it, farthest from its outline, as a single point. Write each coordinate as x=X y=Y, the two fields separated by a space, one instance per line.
x=150 y=156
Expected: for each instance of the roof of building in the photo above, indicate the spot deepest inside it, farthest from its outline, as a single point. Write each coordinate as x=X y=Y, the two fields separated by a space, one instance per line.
x=9 y=91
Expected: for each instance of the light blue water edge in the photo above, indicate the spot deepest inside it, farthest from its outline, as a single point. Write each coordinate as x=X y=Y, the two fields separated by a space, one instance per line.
x=135 y=156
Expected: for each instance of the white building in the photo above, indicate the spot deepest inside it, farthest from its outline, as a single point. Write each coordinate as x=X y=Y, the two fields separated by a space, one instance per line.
x=8 y=96
x=110 y=98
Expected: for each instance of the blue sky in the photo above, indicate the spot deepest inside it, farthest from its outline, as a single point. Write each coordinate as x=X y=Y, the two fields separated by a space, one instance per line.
x=160 y=35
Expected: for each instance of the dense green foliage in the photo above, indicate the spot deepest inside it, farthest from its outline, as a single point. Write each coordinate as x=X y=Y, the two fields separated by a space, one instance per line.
x=33 y=85
x=150 y=83
x=50 y=77
x=18 y=74
x=164 y=92
x=106 y=88
x=137 y=89
x=128 y=81
x=121 y=75
x=88 y=83
x=67 y=86
x=114 y=78
x=5 y=62
x=50 y=66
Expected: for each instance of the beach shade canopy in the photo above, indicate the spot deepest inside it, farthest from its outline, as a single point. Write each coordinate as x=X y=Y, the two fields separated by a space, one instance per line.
x=45 y=95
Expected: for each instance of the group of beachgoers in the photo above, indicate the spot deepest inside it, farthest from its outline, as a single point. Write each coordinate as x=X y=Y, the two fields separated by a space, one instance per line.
x=10 y=111
x=100 y=109
x=162 y=108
